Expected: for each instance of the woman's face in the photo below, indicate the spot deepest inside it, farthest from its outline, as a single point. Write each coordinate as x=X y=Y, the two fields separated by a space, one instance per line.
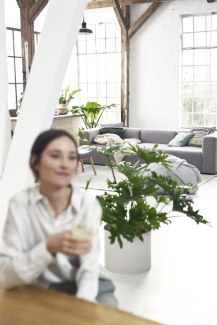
x=58 y=163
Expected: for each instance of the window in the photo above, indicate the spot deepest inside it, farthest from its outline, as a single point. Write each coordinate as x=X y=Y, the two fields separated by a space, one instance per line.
x=15 y=74
x=99 y=67
x=199 y=70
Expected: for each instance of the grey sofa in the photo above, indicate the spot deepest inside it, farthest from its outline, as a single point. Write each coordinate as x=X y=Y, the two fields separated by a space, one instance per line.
x=204 y=158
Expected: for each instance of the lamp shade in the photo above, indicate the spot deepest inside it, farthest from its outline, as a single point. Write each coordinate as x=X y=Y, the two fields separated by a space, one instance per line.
x=84 y=30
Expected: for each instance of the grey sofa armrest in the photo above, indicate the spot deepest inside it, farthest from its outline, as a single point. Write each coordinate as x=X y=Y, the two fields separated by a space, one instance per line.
x=90 y=134
x=209 y=149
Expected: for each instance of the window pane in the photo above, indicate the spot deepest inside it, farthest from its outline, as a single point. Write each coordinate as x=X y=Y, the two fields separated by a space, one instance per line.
x=214 y=22
x=199 y=23
x=11 y=77
x=17 y=42
x=201 y=89
x=201 y=73
x=214 y=56
x=187 y=57
x=101 y=31
x=201 y=57
x=9 y=40
x=91 y=75
x=211 y=120
x=188 y=89
x=198 y=120
x=188 y=40
x=110 y=45
x=92 y=91
x=214 y=73
x=91 y=46
x=11 y=97
x=187 y=24
x=198 y=105
x=111 y=90
x=200 y=39
x=188 y=73
x=82 y=47
x=83 y=75
x=102 y=90
x=110 y=30
x=187 y=120
x=19 y=74
x=213 y=89
x=214 y=38
x=187 y=105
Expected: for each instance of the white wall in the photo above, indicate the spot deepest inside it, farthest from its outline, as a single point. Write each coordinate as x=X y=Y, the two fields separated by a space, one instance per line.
x=154 y=64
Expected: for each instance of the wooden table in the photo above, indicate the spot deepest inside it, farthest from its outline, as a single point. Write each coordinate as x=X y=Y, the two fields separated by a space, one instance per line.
x=33 y=305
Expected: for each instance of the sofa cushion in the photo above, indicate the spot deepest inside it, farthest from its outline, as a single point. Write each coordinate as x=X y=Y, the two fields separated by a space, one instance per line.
x=117 y=131
x=181 y=139
x=157 y=136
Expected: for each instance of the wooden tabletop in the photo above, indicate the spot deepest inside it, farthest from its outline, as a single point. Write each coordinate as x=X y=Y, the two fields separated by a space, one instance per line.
x=33 y=305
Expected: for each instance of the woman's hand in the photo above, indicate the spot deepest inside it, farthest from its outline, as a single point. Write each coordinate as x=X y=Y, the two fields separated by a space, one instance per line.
x=68 y=244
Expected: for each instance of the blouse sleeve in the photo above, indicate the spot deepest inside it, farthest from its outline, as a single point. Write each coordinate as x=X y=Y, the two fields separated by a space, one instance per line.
x=18 y=266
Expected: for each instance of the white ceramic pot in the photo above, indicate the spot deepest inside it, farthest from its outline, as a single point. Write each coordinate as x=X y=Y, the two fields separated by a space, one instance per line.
x=62 y=108
x=133 y=258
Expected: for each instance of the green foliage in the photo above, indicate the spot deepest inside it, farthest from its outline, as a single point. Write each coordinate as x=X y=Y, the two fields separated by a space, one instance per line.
x=67 y=95
x=90 y=113
x=134 y=205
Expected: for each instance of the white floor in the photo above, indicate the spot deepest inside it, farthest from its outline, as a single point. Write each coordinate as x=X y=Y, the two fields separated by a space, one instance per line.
x=181 y=287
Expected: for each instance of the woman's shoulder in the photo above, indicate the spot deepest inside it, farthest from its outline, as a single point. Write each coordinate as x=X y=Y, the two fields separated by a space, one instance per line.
x=25 y=195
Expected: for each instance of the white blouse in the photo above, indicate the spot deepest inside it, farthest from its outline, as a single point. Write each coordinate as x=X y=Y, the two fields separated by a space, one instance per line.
x=24 y=257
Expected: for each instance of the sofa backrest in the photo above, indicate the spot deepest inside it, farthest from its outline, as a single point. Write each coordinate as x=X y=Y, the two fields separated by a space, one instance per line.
x=132 y=133
x=157 y=136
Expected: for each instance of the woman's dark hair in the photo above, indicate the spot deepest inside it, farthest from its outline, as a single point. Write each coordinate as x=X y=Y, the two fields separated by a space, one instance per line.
x=41 y=142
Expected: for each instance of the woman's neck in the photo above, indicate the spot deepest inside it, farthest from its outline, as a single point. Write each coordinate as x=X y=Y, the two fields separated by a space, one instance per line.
x=59 y=198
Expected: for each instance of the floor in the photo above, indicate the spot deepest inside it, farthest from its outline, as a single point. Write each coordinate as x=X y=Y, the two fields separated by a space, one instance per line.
x=181 y=287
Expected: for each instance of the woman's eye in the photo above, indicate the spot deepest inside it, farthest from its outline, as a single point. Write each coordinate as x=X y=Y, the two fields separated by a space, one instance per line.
x=74 y=157
x=55 y=156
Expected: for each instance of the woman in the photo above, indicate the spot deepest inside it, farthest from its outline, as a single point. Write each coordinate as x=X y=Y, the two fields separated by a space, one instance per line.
x=51 y=235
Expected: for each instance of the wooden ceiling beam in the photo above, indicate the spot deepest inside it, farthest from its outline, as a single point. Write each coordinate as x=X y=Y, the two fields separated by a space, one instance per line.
x=142 y=19
x=119 y=14
x=36 y=9
x=108 y=3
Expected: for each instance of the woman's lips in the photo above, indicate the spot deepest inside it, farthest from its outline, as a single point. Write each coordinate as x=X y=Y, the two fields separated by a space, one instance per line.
x=63 y=174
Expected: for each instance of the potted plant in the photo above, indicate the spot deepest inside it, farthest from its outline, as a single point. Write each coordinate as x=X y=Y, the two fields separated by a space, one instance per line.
x=137 y=204
x=90 y=113
x=67 y=94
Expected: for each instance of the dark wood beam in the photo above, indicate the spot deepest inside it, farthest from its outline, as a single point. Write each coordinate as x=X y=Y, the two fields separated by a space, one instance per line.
x=125 y=55
x=36 y=9
x=210 y=1
x=108 y=3
x=142 y=19
x=119 y=14
x=21 y=3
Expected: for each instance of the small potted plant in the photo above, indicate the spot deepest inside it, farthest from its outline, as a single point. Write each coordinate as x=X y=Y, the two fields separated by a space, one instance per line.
x=137 y=204
x=67 y=94
x=90 y=113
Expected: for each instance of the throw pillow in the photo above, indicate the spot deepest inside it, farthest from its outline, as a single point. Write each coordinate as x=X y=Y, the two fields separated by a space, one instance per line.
x=118 y=131
x=181 y=139
x=107 y=138
x=198 y=134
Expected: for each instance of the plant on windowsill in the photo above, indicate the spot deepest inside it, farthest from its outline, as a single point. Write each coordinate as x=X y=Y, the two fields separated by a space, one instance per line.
x=137 y=204
x=65 y=98
x=91 y=113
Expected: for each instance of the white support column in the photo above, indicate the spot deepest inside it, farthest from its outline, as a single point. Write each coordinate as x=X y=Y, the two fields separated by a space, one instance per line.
x=5 y=127
x=47 y=73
